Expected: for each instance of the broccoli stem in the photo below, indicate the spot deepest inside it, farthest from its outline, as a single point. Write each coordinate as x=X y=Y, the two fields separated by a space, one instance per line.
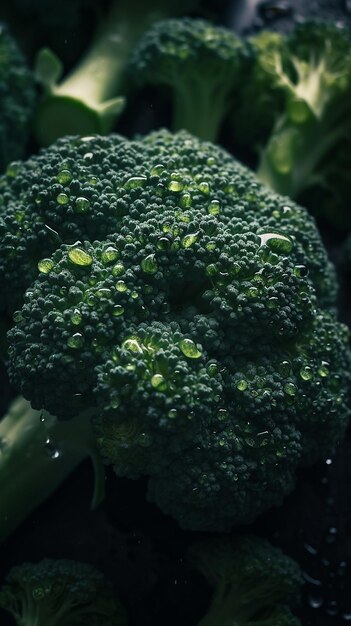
x=228 y=608
x=293 y=157
x=37 y=453
x=199 y=107
x=87 y=100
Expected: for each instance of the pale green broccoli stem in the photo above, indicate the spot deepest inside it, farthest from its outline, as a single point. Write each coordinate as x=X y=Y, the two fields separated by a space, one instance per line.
x=87 y=100
x=200 y=105
x=290 y=161
x=37 y=453
x=230 y=606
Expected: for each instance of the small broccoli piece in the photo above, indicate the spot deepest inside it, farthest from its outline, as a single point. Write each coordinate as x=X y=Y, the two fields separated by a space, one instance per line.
x=88 y=100
x=17 y=96
x=201 y=63
x=60 y=593
x=186 y=317
x=253 y=582
x=296 y=106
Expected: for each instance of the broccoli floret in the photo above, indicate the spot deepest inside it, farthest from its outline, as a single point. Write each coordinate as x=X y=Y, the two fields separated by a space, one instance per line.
x=186 y=316
x=17 y=96
x=88 y=100
x=253 y=582
x=202 y=64
x=60 y=593
x=295 y=107
x=88 y=188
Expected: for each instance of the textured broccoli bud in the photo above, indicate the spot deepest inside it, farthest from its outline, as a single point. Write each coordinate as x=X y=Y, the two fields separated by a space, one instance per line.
x=194 y=332
x=295 y=109
x=200 y=63
x=17 y=96
x=253 y=582
x=88 y=100
x=60 y=593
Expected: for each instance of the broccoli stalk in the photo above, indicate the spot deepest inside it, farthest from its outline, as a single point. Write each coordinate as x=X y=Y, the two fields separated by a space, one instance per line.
x=88 y=100
x=50 y=450
x=312 y=70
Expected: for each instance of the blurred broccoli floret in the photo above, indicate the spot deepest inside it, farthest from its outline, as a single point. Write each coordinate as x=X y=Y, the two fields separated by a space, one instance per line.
x=88 y=100
x=201 y=64
x=60 y=593
x=186 y=315
x=253 y=582
x=17 y=97
x=294 y=110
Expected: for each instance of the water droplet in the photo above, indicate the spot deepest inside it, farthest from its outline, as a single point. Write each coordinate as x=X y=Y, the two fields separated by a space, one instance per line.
x=135 y=181
x=189 y=240
x=64 y=177
x=306 y=372
x=204 y=187
x=76 y=341
x=175 y=185
x=118 y=269
x=347 y=615
x=190 y=349
x=77 y=256
x=290 y=389
x=109 y=255
x=121 y=286
x=242 y=385
x=53 y=234
x=117 y=310
x=62 y=198
x=185 y=201
x=323 y=370
x=315 y=601
x=158 y=382
x=272 y=303
x=82 y=205
x=133 y=345
x=45 y=266
x=211 y=270
x=329 y=461
x=157 y=170
x=76 y=317
x=51 y=450
x=172 y=414
x=301 y=271
x=214 y=207
x=222 y=415
x=276 y=242
x=284 y=368
x=212 y=369
x=149 y=264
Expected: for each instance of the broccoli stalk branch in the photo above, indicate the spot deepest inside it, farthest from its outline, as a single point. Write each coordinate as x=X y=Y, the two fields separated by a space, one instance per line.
x=87 y=100
x=37 y=453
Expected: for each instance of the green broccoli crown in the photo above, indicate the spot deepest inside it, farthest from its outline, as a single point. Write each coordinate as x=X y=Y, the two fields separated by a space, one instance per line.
x=196 y=332
x=60 y=593
x=88 y=188
x=253 y=581
x=17 y=97
x=203 y=65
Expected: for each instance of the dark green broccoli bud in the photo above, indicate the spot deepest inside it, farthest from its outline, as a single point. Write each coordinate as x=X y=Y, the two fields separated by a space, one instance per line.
x=302 y=84
x=203 y=66
x=88 y=188
x=17 y=96
x=195 y=337
x=253 y=582
x=60 y=593
x=88 y=100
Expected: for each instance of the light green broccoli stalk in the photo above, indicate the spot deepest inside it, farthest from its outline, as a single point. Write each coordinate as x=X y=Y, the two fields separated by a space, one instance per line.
x=89 y=99
x=17 y=97
x=253 y=582
x=296 y=107
x=200 y=63
x=60 y=593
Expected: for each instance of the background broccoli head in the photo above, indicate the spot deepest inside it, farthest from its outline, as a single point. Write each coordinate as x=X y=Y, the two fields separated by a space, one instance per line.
x=17 y=95
x=195 y=330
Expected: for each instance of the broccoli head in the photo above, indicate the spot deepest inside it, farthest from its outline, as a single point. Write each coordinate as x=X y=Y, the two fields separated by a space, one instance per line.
x=202 y=64
x=295 y=107
x=60 y=593
x=17 y=96
x=254 y=583
x=186 y=315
